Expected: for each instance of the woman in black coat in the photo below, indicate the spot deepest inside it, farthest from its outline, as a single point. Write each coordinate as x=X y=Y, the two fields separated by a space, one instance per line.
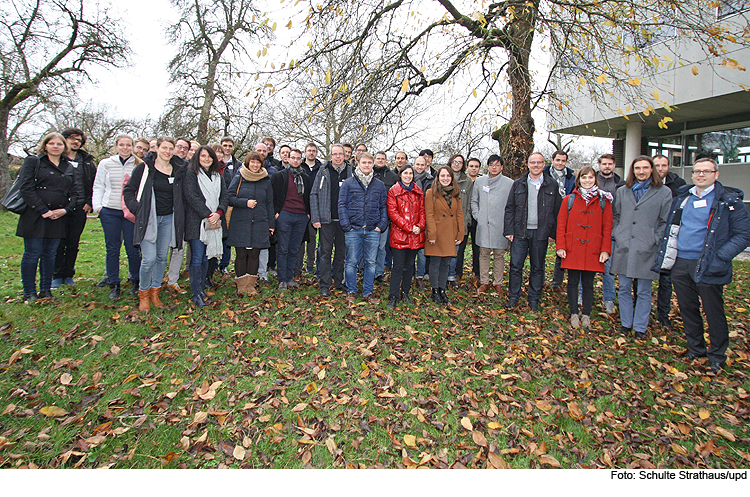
x=205 y=197
x=154 y=195
x=252 y=221
x=49 y=189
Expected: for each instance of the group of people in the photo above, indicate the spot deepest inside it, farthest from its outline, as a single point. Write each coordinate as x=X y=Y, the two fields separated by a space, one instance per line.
x=357 y=216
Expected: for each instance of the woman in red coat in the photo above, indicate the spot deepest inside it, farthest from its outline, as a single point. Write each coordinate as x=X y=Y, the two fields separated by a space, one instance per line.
x=584 y=240
x=406 y=212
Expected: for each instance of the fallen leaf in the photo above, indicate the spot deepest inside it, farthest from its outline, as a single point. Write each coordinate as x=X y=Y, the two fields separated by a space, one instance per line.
x=479 y=438
x=703 y=413
x=239 y=452
x=726 y=433
x=410 y=440
x=466 y=423
x=496 y=461
x=66 y=378
x=53 y=411
x=200 y=417
x=549 y=460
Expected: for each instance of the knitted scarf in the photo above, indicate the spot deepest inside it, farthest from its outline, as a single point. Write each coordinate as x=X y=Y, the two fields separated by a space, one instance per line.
x=364 y=178
x=296 y=173
x=446 y=192
x=640 y=189
x=248 y=175
x=591 y=194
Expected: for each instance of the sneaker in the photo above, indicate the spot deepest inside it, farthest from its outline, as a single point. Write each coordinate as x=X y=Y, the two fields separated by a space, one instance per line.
x=69 y=281
x=575 y=321
x=283 y=286
x=372 y=299
x=272 y=272
x=609 y=307
x=56 y=283
x=292 y=284
x=324 y=292
x=585 y=321
x=625 y=331
x=351 y=297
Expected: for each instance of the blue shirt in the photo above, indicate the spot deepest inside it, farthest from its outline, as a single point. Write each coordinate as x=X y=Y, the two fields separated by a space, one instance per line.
x=696 y=211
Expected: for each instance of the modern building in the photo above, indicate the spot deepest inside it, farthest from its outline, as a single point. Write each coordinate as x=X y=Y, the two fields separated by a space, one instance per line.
x=710 y=104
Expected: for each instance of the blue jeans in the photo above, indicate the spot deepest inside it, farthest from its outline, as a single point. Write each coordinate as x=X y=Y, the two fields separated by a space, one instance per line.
x=39 y=252
x=608 y=280
x=421 y=263
x=154 y=255
x=291 y=229
x=452 y=268
x=637 y=318
x=383 y=243
x=361 y=243
x=536 y=250
x=226 y=256
x=116 y=230
x=198 y=266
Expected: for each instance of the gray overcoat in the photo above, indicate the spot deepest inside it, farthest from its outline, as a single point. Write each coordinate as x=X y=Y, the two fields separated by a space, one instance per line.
x=637 y=230
x=488 y=208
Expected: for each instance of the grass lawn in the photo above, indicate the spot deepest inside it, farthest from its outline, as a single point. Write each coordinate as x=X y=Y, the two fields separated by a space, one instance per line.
x=295 y=380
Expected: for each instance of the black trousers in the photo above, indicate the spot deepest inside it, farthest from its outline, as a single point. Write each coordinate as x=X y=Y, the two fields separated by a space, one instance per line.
x=439 y=271
x=558 y=273
x=67 y=251
x=402 y=272
x=536 y=250
x=586 y=279
x=664 y=297
x=474 y=253
x=688 y=292
x=332 y=241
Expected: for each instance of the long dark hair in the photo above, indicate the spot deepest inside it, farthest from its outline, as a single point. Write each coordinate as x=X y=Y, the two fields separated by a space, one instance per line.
x=436 y=183
x=195 y=163
x=656 y=180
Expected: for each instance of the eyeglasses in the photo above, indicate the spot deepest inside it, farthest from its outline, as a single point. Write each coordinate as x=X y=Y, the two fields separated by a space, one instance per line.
x=182 y=147
x=702 y=172
x=75 y=139
x=459 y=162
x=536 y=162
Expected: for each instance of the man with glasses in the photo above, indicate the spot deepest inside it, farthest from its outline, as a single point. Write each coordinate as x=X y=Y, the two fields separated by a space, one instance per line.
x=324 y=214
x=664 y=293
x=140 y=149
x=708 y=226
x=530 y=223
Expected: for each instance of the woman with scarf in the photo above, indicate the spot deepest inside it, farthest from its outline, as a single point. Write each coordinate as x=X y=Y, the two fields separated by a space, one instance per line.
x=205 y=203
x=640 y=216
x=154 y=195
x=423 y=179
x=584 y=240
x=445 y=230
x=406 y=212
x=48 y=187
x=252 y=222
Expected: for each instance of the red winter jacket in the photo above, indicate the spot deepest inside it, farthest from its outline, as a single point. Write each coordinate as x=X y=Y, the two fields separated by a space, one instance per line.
x=584 y=233
x=405 y=210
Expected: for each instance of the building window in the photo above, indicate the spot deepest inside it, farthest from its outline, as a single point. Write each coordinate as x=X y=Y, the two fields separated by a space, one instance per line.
x=730 y=146
x=730 y=7
x=668 y=146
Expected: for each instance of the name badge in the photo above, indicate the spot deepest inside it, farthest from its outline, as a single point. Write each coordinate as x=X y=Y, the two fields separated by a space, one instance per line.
x=700 y=203
x=486 y=189
x=73 y=163
x=171 y=180
x=340 y=183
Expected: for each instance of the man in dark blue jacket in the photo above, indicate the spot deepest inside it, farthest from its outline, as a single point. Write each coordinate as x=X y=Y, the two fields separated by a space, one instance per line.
x=566 y=180
x=708 y=226
x=363 y=214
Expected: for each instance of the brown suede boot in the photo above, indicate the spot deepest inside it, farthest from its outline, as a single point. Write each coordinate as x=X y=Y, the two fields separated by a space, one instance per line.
x=250 y=285
x=241 y=283
x=144 y=297
x=155 y=298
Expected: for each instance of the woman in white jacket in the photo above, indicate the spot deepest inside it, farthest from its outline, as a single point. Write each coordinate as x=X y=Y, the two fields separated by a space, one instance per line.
x=107 y=202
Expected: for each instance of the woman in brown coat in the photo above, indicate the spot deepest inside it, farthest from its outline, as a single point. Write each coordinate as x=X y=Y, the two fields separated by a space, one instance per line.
x=445 y=230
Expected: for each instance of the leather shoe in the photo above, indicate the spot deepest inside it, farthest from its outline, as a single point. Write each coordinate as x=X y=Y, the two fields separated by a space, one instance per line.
x=690 y=355
x=176 y=288
x=483 y=288
x=325 y=292
x=407 y=300
x=534 y=306
x=714 y=368
x=104 y=282
x=45 y=294
x=511 y=304
x=391 y=303
x=498 y=289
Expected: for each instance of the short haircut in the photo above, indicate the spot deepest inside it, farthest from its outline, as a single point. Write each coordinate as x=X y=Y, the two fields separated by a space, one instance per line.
x=42 y=148
x=366 y=155
x=216 y=147
x=68 y=132
x=402 y=152
x=607 y=156
x=183 y=139
x=358 y=144
x=456 y=156
x=285 y=146
x=426 y=151
x=586 y=170
x=495 y=157
x=660 y=156
x=404 y=168
x=253 y=155
x=296 y=150
x=656 y=180
x=337 y=145
x=380 y=152
x=311 y=144
x=436 y=183
x=707 y=159
x=141 y=139
x=227 y=139
x=536 y=153
x=269 y=139
x=348 y=145
x=473 y=159
x=559 y=152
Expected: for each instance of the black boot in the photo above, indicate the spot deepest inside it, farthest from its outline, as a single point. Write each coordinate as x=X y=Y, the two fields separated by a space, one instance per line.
x=443 y=296
x=436 y=296
x=210 y=266
x=103 y=283
x=405 y=297
x=134 y=287
x=205 y=270
x=114 y=291
x=391 y=302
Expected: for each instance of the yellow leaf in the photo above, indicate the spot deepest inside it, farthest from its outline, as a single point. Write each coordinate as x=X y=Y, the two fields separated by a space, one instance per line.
x=494 y=426
x=656 y=94
x=703 y=413
x=474 y=92
x=725 y=433
x=289 y=24
x=348 y=100
x=273 y=27
x=634 y=82
x=405 y=85
x=410 y=440
x=582 y=80
x=314 y=92
x=695 y=70
x=466 y=423
x=53 y=411
x=239 y=452
x=549 y=460
x=328 y=77
x=130 y=378
x=740 y=309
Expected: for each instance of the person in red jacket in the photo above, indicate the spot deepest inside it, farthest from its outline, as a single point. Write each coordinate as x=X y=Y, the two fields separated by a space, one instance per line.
x=406 y=212
x=584 y=240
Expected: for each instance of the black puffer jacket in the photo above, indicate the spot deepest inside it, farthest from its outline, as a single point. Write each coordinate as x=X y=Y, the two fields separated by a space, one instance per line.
x=130 y=191
x=195 y=204
x=84 y=171
x=45 y=187
x=249 y=227
x=548 y=206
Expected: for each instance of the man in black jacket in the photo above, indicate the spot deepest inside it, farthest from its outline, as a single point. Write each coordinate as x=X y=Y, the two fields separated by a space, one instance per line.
x=664 y=294
x=232 y=164
x=83 y=172
x=530 y=223
x=291 y=203
x=310 y=165
x=609 y=181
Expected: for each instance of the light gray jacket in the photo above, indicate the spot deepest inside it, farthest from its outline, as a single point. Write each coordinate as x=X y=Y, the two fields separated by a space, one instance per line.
x=320 y=195
x=488 y=200
x=637 y=230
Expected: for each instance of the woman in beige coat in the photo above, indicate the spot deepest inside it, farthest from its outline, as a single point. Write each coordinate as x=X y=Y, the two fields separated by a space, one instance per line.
x=445 y=230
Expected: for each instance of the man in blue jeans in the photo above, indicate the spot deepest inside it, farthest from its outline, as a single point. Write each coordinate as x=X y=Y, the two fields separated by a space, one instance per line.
x=363 y=214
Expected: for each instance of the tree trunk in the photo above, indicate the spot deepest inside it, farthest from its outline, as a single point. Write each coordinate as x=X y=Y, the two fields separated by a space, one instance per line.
x=208 y=102
x=4 y=155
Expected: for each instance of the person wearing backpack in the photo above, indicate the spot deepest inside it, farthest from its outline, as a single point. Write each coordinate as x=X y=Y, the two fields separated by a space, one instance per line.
x=584 y=233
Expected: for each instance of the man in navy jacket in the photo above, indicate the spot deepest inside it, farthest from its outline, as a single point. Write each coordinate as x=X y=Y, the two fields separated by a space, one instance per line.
x=363 y=214
x=565 y=178
x=708 y=226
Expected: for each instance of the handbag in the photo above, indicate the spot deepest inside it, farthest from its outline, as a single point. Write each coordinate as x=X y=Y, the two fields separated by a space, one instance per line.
x=125 y=211
x=228 y=213
x=13 y=200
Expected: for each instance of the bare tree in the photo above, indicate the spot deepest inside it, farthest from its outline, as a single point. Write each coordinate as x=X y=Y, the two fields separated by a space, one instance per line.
x=210 y=37
x=46 y=47
x=606 y=44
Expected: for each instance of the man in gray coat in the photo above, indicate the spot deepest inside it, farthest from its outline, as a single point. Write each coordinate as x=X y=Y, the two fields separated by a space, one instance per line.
x=488 y=198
